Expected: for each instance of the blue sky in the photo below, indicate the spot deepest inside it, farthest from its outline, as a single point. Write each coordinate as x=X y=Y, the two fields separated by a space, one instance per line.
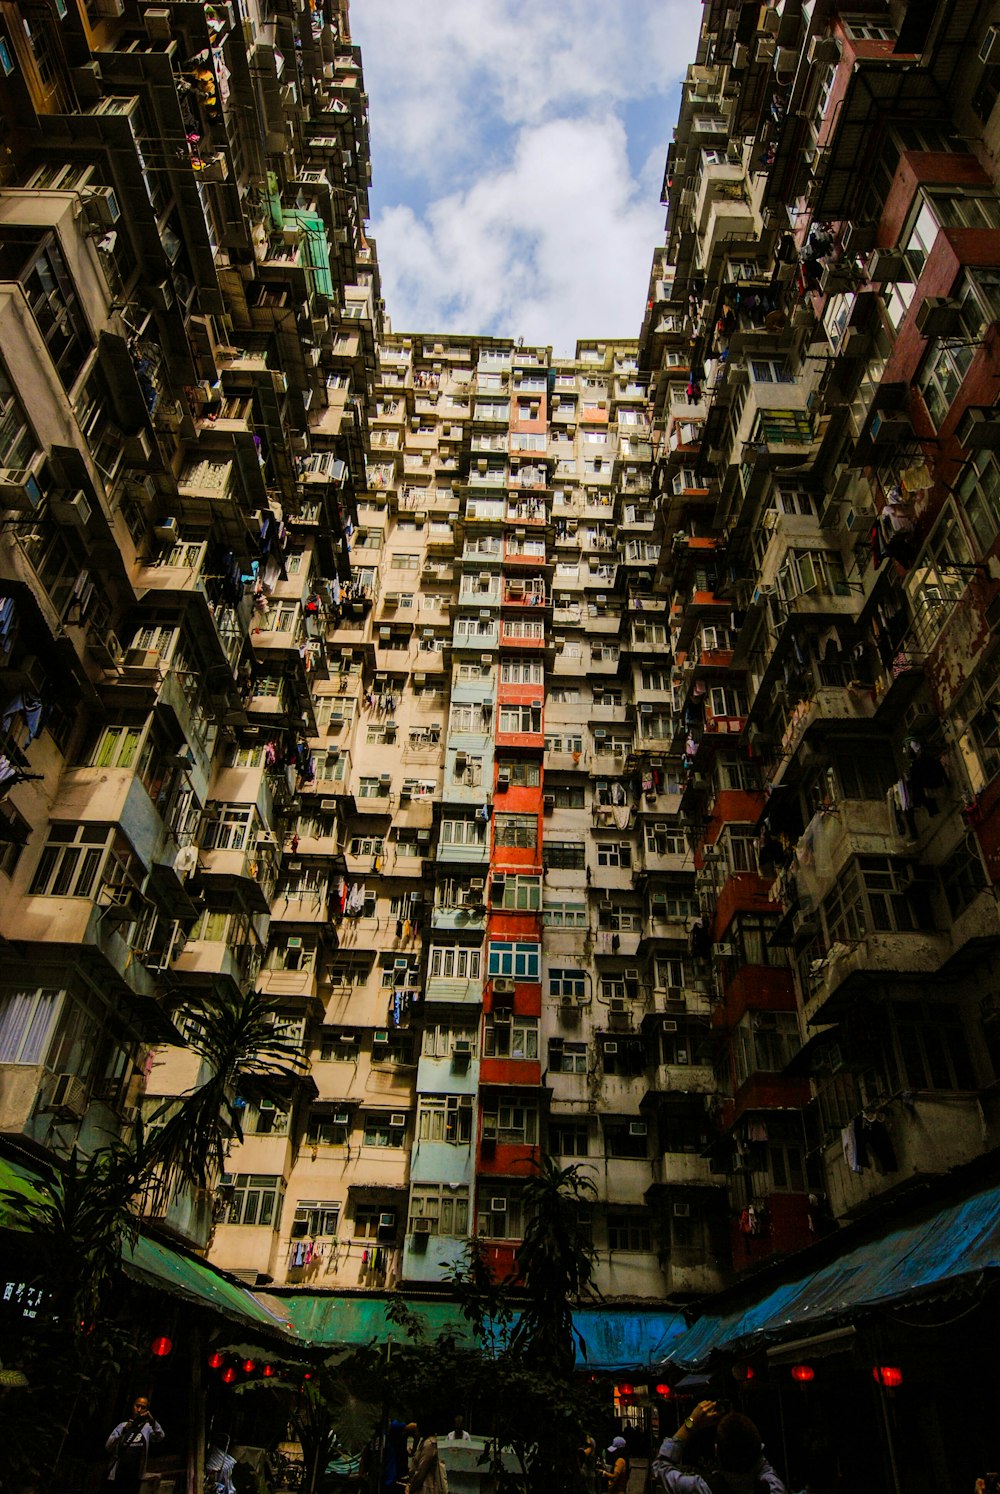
x=517 y=157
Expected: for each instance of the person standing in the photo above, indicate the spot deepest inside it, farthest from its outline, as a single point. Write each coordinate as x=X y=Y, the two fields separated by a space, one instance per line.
x=616 y=1476
x=739 y=1464
x=427 y=1472
x=458 y=1432
x=396 y=1453
x=129 y=1446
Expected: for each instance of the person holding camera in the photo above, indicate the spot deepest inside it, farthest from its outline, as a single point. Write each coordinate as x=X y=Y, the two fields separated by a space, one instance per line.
x=129 y=1444
x=737 y=1464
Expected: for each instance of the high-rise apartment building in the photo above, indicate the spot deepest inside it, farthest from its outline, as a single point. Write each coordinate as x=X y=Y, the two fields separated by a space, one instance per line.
x=587 y=755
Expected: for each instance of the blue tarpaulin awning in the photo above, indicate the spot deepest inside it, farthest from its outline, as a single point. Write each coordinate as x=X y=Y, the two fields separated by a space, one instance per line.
x=953 y=1247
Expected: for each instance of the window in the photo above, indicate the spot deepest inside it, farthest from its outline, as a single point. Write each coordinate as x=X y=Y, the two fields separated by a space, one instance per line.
x=930 y=1050
x=500 y=1214
x=625 y=1138
x=467 y=831
x=315 y=1219
x=520 y=893
x=374 y=1221
x=978 y=493
x=117 y=747
x=516 y=830
x=342 y=1046
x=454 y=962
x=404 y=562
x=252 y=1198
x=623 y=1056
x=383 y=1129
x=70 y=862
x=515 y=1039
x=614 y=853
x=440 y=1038
x=511 y=1122
x=568 y=855
x=628 y=1231
x=444 y=1207
x=568 y=1138
x=17 y=443
x=265 y=1118
x=519 y=718
x=517 y=960
x=564 y=742
x=765 y=1042
x=521 y=672
x=396 y=1050
x=565 y=915
x=871 y=895
x=445 y=1118
x=568 y=1058
x=27 y=1019
x=328 y=1127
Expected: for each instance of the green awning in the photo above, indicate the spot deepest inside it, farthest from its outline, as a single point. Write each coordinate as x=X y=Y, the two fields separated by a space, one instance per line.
x=328 y=1320
x=158 y=1265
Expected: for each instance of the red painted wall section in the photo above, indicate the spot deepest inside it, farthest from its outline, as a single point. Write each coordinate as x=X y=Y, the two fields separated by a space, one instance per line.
x=527 y=1001
x=507 y=1161
x=759 y=988
x=510 y=1071
x=788 y=1230
x=531 y=425
x=767 y=1092
x=746 y=892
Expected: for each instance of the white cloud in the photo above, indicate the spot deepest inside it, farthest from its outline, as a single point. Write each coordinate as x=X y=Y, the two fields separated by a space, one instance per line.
x=499 y=125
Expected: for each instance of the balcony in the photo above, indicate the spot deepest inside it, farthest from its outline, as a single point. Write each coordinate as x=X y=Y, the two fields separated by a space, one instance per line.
x=680 y=1078
x=931 y=1133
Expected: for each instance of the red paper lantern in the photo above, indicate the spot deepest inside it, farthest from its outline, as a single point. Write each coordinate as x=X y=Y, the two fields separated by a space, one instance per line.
x=249 y=1365
x=307 y=1375
x=268 y=1371
x=625 y=1389
x=664 y=1391
x=803 y=1373
x=215 y=1360
x=228 y=1375
x=887 y=1375
x=743 y=1371
x=161 y=1347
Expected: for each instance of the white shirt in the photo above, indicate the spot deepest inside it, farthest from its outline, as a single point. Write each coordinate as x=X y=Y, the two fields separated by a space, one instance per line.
x=454 y=1436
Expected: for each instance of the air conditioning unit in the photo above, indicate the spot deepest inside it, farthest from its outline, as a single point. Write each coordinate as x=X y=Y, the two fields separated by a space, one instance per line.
x=979 y=428
x=498 y=1206
x=461 y=1048
x=503 y=987
x=476 y=884
x=327 y=806
x=69 y=1095
x=100 y=205
x=548 y=803
x=567 y=1001
x=341 y=1118
x=380 y=1037
x=387 y=1220
x=637 y=1128
x=157 y=23
x=397 y=1119
x=486 y=658
x=682 y=1211
x=74 y=510
x=618 y=1006
x=724 y=951
x=610 y=1047
x=19 y=488
x=421 y=1226
x=937 y=316
x=165 y=530
x=885 y=265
